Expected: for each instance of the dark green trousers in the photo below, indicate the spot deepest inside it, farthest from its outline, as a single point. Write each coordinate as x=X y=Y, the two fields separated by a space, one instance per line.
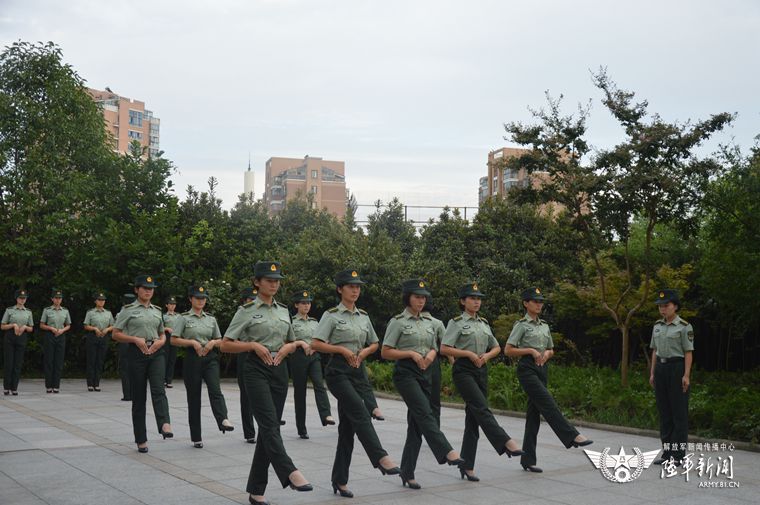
x=195 y=371
x=673 y=406
x=126 y=391
x=533 y=379
x=249 y=428
x=170 y=353
x=53 y=349
x=95 y=348
x=350 y=387
x=143 y=370
x=472 y=384
x=267 y=388
x=302 y=368
x=415 y=387
x=435 y=389
x=368 y=395
x=13 y=355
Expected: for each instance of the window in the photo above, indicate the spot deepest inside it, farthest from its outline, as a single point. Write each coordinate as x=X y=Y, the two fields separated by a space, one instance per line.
x=314 y=174
x=134 y=135
x=313 y=190
x=135 y=118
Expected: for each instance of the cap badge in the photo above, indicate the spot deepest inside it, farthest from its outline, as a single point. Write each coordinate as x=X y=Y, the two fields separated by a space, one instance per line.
x=305 y=294
x=538 y=291
x=474 y=287
x=422 y=284
x=354 y=274
x=149 y=279
x=201 y=289
x=662 y=294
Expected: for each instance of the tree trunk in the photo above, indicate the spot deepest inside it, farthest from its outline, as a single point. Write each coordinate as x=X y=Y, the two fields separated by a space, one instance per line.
x=624 y=358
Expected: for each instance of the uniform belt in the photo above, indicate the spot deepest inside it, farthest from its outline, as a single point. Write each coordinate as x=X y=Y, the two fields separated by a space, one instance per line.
x=669 y=360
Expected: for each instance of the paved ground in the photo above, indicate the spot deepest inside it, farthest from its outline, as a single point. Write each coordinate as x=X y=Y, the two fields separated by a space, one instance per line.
x=77 y=448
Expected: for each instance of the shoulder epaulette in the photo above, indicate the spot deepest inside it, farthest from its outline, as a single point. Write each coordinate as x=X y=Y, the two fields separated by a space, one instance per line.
x=483 y=319
x=246 y=305
x=458 y=318
x=398 y=316
x=362 y=311
x=333 y=310
x=281 y=305
x=684 y=322
x=186 y=313
x=428 y=317
x=155 y=306
x=312 y=318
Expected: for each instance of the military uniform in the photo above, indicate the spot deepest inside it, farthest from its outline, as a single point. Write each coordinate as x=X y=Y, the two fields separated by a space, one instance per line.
x=435 y=368
x=145 y=322
x=249 y=428
x=407 y=332
x=123 y=355
x=54 y=346
x=198 y=369
x=353 y=330
x=671 y=341
x=473 y=333
x=303 y=367
x=265 y=385
x=170 y=321
x=96 y=346
x=15 y=345
x=535 y=334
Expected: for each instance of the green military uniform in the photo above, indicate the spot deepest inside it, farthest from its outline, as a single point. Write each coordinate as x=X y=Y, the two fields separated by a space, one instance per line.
x=145 y=322
x=123 y=354
x=15 y=345
x=249 y=428
x=265 y=385
x=95 y=346
x=535 y=334
x=671 y=341
x=54 y=347
x=198 y=369
x=170 y=321
x=435 y=373
x=303 y=367
x=408 y=332
x=473 y=333
x=353 y=330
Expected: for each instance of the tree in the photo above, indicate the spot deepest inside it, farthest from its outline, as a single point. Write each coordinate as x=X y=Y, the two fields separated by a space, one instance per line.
x=653 y=174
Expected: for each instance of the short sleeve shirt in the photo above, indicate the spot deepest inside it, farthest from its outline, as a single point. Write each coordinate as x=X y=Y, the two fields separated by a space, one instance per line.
x=170 y=320
x=304 y=328
x=192 y=326
x=57 y=318
x=19 y=316
x=530 y=333
x=407 y=332
x=673 y=339
x=469 y=333
x=256 y=321
x=99 y=318
x=138 y=320
x=351 y=329
x=440 y=329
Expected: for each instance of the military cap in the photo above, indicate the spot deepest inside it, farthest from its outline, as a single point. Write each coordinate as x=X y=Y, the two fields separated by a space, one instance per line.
x=303 y=295
x=21 y=293
x=128 y=298
x=249 y=292
x=667 y=295
x=56 y=293
x=269 y=269
x=171 y=299
x=470 y=289
x=145 y=281
x=197 y=292
x=532 y=293
x=348 y=277
x=99 y=295
x=415 y=287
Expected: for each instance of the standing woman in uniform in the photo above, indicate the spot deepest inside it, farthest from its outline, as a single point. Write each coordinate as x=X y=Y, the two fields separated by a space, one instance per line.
x=55 y=321
x=17 y=322
x=531 y=342
x=140 y=325
x=410 y=341
x=305 y=364
x=347 y=333
x=170 y=321
x=98 y=322
x=262 y=330
x=199 y=331
x=249 y=428
x=470 y=341
x=672 y=348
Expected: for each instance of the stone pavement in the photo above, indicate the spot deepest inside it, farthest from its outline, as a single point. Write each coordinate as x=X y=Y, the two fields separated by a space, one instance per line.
x=77 y=448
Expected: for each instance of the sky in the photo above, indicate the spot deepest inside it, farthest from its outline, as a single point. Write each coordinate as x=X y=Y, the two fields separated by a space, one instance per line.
x=412 y=95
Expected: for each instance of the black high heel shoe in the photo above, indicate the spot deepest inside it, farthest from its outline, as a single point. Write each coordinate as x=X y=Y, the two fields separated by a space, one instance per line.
x=166 y=434
x=256 y=502
x=464 y=474
x=532 y=468
x=583 y=443
x=518 y=452
x=455 y=462
x=224 y=429
x=304 y=436
x=345 y=493
x=142 y=450
x=303 y=487
x=378 y=418
x=389 y=471
x=412 y=485
x=328 y=422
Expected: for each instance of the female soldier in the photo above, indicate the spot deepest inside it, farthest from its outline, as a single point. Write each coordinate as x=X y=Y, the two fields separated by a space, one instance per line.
x=140 y=325
x=249 y=428
x=199 y=330
x=170 y=320
x=262 y=329
x=98 y=322
x=410 y=340
x=305 y=363
x=17 y=322
x=469 y=340
x=672 y=347
x=531 y=340
x=347 y=333
x=55 y=321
